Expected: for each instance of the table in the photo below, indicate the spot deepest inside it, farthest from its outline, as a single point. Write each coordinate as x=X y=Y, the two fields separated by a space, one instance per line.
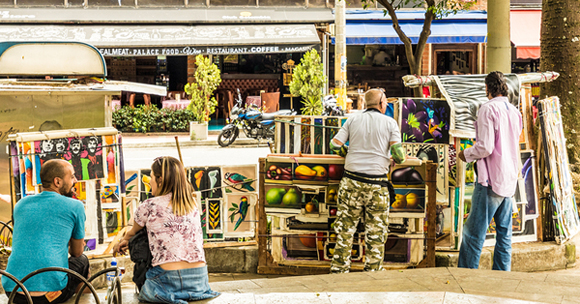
x=174 y=104
x=254 y=100
x=357 y=98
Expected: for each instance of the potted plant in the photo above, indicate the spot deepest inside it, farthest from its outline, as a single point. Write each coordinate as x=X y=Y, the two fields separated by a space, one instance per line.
x=207 y=79
x=308 y=82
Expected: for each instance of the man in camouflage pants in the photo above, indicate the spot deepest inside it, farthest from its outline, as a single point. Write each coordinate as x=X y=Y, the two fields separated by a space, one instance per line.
x=364 y=185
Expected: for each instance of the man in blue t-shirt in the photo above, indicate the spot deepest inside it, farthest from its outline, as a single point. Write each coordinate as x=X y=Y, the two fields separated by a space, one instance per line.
x=47 y=227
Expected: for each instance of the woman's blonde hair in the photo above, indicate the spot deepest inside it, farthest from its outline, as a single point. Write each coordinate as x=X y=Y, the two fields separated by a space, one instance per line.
x=171 y=178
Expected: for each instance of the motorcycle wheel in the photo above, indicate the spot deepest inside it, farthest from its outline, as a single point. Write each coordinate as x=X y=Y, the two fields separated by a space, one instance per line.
x=227 y=137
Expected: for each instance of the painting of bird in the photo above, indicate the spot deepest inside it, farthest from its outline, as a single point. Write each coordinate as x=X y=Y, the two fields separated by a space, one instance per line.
x=241 y=209
x=236 y=179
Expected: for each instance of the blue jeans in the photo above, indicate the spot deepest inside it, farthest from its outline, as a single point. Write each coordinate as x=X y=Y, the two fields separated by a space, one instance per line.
x=485 y=205
x=176 y=286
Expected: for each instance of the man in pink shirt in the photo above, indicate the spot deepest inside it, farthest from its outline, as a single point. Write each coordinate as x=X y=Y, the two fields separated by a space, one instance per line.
x=498 y=128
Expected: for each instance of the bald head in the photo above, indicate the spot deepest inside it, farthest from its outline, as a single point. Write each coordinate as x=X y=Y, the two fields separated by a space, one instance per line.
x=373 y=97
x=52 y=169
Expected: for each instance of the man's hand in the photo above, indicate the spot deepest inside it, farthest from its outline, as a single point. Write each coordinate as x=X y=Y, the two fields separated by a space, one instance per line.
x=338 y=147
x=121 y=247
x=397 y=152
x=461 y=156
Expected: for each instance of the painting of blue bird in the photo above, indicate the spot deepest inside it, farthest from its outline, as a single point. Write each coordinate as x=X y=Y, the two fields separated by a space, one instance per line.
x=241 y=210
x=236 y=180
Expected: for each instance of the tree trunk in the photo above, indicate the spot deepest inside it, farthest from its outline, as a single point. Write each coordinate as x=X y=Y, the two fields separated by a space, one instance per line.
x=416 y=70
x=561 y=53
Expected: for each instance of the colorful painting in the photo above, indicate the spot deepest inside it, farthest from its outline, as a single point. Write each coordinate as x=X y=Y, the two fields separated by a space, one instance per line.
x=206 y=236
x=517 y=222
x=305 y=136
x=330 y=133
x=424 y=121
x=311 y=172
x=279 y=172
x=208 y=180
x=281 y=196
x=145 y=185
x=318 y=136
x=214 y=216
x=240 y=217
x=84 y=153
x=111 y=158
x=239 y=178
x=408 y=200
x=561 y=201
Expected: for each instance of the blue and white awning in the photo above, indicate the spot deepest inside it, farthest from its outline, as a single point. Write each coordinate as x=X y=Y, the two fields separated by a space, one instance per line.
x=372 y=27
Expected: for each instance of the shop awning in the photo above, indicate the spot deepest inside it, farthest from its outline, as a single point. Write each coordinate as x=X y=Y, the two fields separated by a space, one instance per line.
x=375 y=28
x=525 y=29
x=157 y=40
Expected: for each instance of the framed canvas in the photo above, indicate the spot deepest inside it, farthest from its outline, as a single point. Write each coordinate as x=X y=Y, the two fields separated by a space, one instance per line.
x=241 y=214
x=424 y=120
x=239 y=179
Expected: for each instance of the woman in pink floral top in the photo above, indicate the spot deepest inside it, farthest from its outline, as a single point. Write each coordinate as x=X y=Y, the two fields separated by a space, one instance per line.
x=179 y=272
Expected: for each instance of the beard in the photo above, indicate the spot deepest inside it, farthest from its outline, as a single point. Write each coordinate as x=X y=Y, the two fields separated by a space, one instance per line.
x=67 y=191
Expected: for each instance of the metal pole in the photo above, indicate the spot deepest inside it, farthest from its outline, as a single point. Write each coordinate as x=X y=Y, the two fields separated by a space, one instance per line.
x=499 y=55
x=340 y=81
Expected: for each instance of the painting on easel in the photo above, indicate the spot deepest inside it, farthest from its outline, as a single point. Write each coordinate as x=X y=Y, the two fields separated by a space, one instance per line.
x=424 y=121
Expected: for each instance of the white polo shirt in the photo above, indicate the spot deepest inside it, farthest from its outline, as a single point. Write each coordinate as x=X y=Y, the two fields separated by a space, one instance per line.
x=369 y=135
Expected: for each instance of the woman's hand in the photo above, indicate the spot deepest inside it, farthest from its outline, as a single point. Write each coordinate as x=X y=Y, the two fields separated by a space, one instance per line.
x=121 y=247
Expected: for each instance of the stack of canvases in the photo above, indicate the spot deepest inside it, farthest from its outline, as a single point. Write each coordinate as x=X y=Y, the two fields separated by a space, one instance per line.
x=226 y=196
x=562 y=204
x=96 y=157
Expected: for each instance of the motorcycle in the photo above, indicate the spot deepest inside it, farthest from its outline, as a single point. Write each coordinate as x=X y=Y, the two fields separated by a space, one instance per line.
x=331 y=107
x=255 y=124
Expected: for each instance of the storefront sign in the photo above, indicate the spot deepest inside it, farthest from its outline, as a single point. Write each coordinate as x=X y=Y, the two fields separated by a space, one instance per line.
x=214 y=50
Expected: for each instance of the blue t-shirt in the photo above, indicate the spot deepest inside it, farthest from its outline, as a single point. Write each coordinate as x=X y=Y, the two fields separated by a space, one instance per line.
x=43 y=226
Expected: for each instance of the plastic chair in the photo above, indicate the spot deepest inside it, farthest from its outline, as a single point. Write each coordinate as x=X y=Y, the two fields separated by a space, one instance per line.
x=271 y=102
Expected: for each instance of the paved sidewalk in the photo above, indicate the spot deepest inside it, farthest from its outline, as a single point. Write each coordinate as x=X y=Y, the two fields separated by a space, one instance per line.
x=412 y=286
x=144 y=140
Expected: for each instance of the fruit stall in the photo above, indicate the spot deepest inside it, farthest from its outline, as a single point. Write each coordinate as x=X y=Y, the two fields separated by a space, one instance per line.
x=297 y=208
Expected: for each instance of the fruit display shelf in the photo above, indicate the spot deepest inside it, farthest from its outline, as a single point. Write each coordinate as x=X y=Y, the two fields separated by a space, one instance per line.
x=302 y=207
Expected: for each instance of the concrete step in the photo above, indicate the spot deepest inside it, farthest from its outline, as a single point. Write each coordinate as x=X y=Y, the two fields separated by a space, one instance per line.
x=526 y=257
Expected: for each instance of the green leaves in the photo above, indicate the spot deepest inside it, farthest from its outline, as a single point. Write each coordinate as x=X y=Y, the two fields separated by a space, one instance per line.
x=151 y=119
x=308 y=80
x=207 y=79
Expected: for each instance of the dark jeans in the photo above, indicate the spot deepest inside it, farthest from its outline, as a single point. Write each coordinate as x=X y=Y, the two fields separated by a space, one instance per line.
x=80 y=265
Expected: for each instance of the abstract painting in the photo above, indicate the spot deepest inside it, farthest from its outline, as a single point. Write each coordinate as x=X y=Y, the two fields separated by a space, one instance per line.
x=305 y=136
x=84 y=153
x=207 y=180
x=214 y=216
x=424 y=120
x=330 y=133
x=239 y=178
x=240 y=220
x=465 y=94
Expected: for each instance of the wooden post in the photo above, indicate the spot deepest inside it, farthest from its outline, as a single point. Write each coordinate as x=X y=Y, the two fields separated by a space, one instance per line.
x=431 y=205
x=431 y=212
x=124 y=210
x=262 y=219
x=12 y=187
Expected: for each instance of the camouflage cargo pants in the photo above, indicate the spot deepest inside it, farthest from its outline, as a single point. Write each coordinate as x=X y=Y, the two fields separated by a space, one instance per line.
x=352 y=197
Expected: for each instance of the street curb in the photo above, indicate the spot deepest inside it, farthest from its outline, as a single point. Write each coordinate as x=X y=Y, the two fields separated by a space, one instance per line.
x=241 y=142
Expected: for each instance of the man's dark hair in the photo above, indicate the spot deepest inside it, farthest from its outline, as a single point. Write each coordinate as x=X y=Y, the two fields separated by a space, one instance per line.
x=51 y=169
x=496 y=84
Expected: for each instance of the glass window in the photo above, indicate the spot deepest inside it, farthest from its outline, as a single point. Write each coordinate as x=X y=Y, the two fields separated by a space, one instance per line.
x=118 y=3
x=232 y=2
x=40 y=2
x=282 y=2
x=317 y=3
x=160 y=2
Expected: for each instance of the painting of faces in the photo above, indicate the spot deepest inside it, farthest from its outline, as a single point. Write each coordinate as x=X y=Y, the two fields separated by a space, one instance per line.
x=84 y=153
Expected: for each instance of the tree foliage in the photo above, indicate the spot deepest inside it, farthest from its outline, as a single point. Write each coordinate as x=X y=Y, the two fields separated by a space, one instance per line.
x=434 y=9
x=308 y=81
x=207 y=79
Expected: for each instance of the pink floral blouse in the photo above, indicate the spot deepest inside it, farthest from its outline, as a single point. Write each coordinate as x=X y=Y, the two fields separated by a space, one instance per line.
x=171 y=238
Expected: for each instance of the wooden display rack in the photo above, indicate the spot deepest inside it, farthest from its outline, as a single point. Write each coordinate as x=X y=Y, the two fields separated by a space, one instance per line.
x=268 y=264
